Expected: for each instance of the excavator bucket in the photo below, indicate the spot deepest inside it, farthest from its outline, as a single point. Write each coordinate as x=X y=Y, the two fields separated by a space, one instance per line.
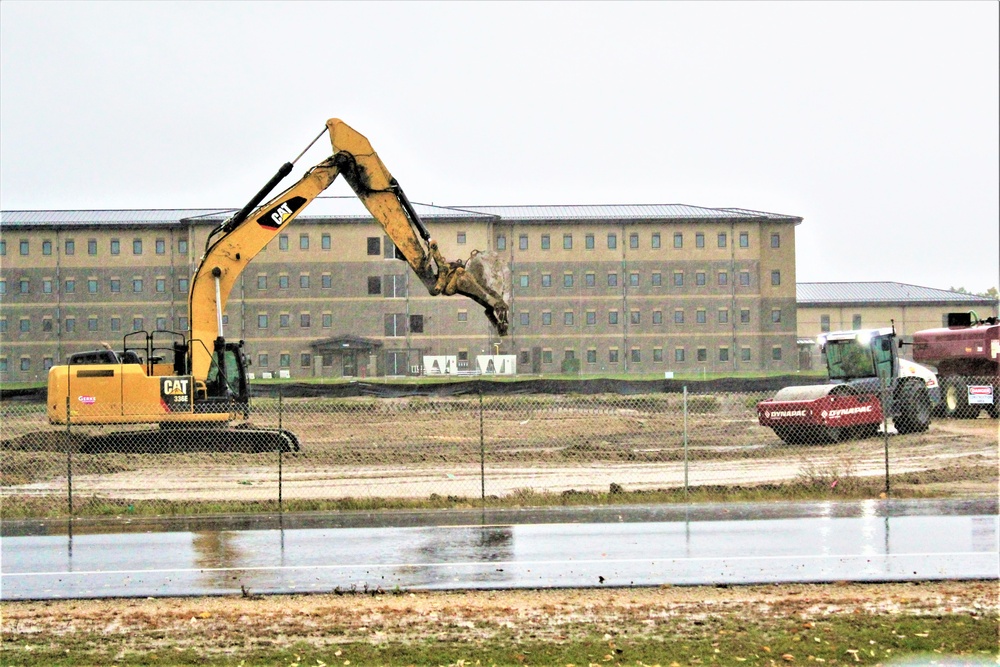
x=492 y=272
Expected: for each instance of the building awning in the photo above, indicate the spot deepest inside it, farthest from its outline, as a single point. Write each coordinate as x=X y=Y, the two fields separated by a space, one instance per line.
x=341 y=343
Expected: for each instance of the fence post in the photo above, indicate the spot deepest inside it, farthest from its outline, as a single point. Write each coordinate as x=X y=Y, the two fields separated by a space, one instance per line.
x=885 y=428
x=69 y=461
x=280 y=451
x=482 y=450
x=685 y=442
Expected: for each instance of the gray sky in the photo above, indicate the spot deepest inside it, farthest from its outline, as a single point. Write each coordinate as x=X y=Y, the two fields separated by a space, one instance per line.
x=875 y=122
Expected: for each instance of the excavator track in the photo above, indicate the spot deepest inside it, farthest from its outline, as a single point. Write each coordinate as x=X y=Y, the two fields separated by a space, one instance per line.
x=177 y=440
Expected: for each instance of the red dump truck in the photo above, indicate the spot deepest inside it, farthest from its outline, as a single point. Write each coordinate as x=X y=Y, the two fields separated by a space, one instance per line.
x=966 y=354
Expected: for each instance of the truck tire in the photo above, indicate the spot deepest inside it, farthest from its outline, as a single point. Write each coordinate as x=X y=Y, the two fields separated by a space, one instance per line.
x=914 y=409
x=955 y=399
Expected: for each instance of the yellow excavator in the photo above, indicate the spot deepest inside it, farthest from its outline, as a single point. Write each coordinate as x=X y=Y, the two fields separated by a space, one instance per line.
x=194 y=384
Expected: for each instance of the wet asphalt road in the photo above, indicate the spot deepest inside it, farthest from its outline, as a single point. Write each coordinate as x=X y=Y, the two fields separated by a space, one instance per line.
x=545 y=548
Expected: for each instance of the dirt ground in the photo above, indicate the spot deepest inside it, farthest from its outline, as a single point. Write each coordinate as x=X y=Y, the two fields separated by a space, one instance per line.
x=224 y=624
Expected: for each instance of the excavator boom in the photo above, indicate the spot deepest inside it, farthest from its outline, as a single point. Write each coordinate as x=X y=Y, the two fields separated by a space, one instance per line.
x=236 y=242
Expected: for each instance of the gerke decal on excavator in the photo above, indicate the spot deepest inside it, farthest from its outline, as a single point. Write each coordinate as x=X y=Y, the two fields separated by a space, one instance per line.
x=194 y=384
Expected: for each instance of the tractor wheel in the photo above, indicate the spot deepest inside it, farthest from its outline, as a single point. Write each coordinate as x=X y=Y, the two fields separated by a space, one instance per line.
x=955 y=399
x=914 y=415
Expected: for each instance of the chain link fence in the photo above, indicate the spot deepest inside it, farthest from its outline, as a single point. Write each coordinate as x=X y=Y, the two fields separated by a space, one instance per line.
x=491 y=448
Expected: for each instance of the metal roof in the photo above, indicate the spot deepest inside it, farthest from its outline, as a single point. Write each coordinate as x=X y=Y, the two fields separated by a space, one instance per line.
x=351 y=208
x=817 y=294
x=112 y=217
x=626 y=212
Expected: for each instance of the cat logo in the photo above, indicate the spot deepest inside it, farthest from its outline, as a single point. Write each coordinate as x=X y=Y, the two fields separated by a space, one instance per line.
x=275 y=217
x=175 y=393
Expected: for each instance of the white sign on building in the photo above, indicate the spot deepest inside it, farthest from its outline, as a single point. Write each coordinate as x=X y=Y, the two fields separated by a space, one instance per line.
x=497 y=364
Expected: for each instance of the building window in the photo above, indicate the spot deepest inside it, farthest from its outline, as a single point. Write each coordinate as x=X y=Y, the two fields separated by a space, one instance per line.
x=305 y=320
x=776 y=277
x=161 y=247
x=567 y=280
x=46 y=248
x=70 y=247
x=24 y=285
x=776 y=315
x=501 y=242
x=568 y=318
x=374 y=285
x=633 y=241
x=116 y=285
x=612 y=317
x=723 y=278
x=588 y=241
x=612 y=241
x=699 y=240
x=678 y=317
x=116 y=247
x=395 y=324
x=546 y=280
x=657 y=317
x=678 y=240
x=744 y=316
x=92 y=285
x=182 y=285
x=546 y=318
x=702 y=354
x=700 y=316
x=567 y=241
x=70 y=286
x=613 y=356
x=137 y=285
x=25 y=363
x=324 y=242
x=655 y=241
x=394 y=287
x=262 y=281
x=25 y=325
x=678 y=278
x=116 y=324
x=636 y=355
x=635 y=317
x=745 y=354
x=522 y=242
x=776 y=353
x=3 y=248
x=282 y=282
x=161 y=284
x=657 y=354
x=612 y=280
x=546 y=242
x=679 y=354
x=723 y=354
x=136 y=246
x=591 y=356
x=590 y=280
x=283 y=321
x=416 y=323
x=92 y=247
x=303 y=242
x=723 y=316
x=47 y=286
x=546 y=356
x=136 y=324
x=161 y=323
x=327 y=320
x=656 y=279
x=283 y=242
x=374 y=246
x=744 y=240
x=460 y=238
x=262 y=360
x=304 y=281
x=182 y=246
x=824 y=323
x=591 y=317
x=856 y=322
x=92 y=324
x=722 y=239
x=262 y=321
x=305 y=360
x=525 y=319
x=744 y=278
x=46 y=324
x=700 y=279
x=326 y=281
x=633 y=279
x=284 y=360
x=463 y=316
x=775 y=240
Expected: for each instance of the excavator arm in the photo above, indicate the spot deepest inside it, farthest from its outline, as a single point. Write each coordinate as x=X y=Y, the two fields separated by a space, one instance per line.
x=232 y=245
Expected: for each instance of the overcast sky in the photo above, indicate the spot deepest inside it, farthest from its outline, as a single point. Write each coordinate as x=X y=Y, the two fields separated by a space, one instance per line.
x=877 y=123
